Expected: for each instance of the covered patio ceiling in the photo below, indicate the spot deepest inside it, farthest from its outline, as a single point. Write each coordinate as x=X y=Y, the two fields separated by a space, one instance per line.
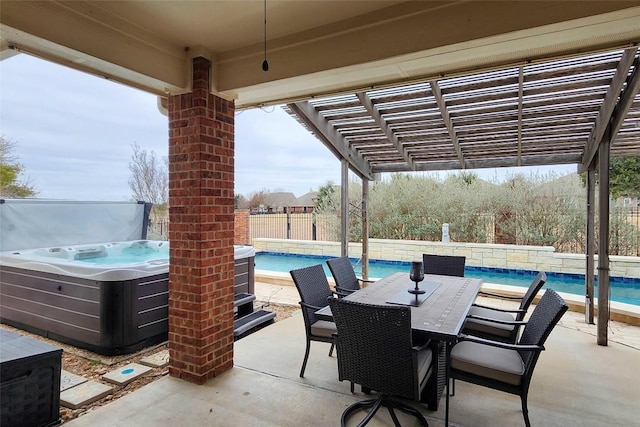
x=314 y=47
x=538 y=113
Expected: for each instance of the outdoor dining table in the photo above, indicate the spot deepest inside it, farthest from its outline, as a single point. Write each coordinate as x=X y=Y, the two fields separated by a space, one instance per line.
x=439 y=316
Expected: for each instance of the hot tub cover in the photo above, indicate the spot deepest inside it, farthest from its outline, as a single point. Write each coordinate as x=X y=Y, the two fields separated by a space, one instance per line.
x=38 y=223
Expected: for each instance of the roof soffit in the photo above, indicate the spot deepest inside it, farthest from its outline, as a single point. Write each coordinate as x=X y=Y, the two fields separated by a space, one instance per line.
x=357 y=45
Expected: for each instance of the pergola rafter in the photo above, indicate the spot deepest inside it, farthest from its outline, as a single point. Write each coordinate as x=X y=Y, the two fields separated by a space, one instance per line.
x=312 y=119
x=435 y=89
x=520 y=95
x=607 y=107
x=377 y=117
x=543 y=113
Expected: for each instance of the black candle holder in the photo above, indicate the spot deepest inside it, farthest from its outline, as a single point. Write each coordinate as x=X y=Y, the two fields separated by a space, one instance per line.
x=416 y=275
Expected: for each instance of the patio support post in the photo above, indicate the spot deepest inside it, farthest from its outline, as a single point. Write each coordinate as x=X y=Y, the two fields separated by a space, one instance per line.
x=201 y=230
x=344 y=209
x=365 y=228
x=589 y=277
x=603 y=246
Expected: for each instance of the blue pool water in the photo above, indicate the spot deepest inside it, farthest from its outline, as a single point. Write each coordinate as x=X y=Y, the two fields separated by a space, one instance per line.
x=623 y=289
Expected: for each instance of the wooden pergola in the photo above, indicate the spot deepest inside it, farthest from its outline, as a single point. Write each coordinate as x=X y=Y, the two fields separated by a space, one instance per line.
x=571 y=110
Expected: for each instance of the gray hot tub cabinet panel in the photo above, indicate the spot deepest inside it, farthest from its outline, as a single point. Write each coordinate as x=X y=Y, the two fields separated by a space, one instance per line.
x=107 y=317
x=57 y=304
x=102 y=316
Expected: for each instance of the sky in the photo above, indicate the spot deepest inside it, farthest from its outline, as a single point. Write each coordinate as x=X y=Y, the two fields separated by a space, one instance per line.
x=73 y=133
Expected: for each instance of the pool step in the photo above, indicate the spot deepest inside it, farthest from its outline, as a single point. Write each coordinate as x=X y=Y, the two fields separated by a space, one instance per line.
x=257 y=318
x=241 y=299
x=244 y=304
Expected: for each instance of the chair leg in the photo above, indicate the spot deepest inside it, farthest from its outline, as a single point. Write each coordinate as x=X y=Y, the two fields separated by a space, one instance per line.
x=306 y=356
x=525 y=410
x=375 y=404
x=331 y=349
x=394 y=417
x=408 y=410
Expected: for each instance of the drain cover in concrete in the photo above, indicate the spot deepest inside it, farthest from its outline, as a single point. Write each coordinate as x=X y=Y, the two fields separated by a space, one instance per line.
x=68 y=380
x=157 y=360
x=83 y=394
x=126 y=374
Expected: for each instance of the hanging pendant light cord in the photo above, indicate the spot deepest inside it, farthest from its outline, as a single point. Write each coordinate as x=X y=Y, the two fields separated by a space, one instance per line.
x=265 y=64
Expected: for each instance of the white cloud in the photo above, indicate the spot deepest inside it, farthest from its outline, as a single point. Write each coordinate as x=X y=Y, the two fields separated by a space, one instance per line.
x=74 y=133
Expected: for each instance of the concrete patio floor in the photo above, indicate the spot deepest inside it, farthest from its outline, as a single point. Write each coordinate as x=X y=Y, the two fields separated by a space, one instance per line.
x=576 y=382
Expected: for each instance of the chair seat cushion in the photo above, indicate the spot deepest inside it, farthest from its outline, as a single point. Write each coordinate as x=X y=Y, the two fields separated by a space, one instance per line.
x=492 y=362
x=489 y=327
x=323 y=328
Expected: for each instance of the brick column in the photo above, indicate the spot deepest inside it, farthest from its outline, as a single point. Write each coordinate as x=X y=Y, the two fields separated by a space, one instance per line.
x=242 y=228
x=201 y=175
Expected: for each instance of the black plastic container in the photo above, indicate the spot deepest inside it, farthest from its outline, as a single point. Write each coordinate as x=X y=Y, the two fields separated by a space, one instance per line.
x=29 y=381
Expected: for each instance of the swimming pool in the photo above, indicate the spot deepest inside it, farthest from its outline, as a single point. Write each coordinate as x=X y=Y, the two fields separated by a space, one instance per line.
x=623 y=289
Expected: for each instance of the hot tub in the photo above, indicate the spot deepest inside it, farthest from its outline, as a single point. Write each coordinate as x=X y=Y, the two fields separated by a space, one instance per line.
x=110 y=298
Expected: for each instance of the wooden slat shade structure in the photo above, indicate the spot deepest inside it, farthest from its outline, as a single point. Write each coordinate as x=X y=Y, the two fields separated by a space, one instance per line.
x=578 y=110
x=543 y=113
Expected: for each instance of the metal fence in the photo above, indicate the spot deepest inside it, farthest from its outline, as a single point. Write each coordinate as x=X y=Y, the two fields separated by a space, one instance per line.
x=297 y=226
x=624 y=231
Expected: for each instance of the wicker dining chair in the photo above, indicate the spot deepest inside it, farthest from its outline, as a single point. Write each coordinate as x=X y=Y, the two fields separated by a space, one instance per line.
x=345 y=277
x=501 y=324
x=446 y=265
x=504 y=366
x=375 y=350
x=315 y=292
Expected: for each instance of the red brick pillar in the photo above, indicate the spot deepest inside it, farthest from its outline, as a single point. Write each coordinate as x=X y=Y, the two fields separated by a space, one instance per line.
x=242 y=228
x=201 y=168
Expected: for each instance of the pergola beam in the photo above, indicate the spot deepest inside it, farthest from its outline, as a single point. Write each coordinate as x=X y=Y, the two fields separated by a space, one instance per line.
x=626 y=100
x=442 y=106
x=331 y=138
x=607 y=107
x=547 y=159
x=380 y=121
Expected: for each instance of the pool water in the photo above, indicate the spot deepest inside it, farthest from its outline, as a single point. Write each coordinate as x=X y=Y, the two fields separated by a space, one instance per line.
x=125 y=258
x=623 y=289
x=128 y=255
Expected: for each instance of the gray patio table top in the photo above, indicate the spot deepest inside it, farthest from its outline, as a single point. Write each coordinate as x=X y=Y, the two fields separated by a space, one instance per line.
x=440 y=316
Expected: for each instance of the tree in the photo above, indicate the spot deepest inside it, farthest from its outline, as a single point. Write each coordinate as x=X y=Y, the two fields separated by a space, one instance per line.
x=149 y=180
x=624 y=176
x=11 y=184
x=624 y=179
x=239 y=201
x=328 y=198
x=256 y=200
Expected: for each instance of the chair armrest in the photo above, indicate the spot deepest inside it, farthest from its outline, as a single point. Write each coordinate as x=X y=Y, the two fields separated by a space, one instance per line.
x=492 y=294
x=519 y=347
x=312 y=307
x=504 y=310
x=341 y=293
x=501 y=322
x=366 y=280
x=344 y=292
